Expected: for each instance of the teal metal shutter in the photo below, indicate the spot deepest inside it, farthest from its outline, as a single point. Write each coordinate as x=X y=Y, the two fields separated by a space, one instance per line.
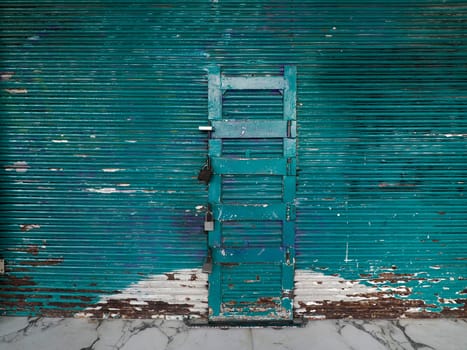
x=100 y=151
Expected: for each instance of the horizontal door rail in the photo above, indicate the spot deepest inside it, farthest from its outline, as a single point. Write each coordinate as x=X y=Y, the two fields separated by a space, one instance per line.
x=226 y=129
x=253 y=83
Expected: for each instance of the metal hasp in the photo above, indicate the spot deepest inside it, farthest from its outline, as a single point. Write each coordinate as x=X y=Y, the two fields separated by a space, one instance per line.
x=252 y=279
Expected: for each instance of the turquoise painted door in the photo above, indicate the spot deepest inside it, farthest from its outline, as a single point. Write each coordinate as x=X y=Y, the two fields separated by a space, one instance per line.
x=251 y=196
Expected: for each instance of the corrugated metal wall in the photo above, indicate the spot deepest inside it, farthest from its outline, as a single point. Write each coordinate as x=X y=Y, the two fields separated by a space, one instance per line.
x=100 y=150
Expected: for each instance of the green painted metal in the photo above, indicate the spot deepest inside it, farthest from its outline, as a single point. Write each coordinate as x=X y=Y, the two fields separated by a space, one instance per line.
x=247 y=166
x=99 y=151
x=249 y=129
x=270 y=302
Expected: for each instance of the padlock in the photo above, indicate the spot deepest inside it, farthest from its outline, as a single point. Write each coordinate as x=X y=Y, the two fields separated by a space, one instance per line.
x=209 y=221
x=205 y=173
x=207 y=266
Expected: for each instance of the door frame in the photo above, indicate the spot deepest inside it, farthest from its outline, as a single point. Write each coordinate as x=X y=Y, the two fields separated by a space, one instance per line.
x=218 y=84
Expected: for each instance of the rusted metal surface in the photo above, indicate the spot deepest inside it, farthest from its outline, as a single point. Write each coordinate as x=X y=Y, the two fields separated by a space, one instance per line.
x=379 y=308
x=46 y=262
x=131 y=308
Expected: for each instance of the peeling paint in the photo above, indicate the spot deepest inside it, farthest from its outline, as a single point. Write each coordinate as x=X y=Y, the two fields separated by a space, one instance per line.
x=183 y=293
x=319 y=296
x=16 y=91
x=312 y=287
x=180 y=293
x=455 y=135
x=29 y=227
x=5 y=76
x=41 y=262
x=109 y=190
x=19 y=167
x=112 y=170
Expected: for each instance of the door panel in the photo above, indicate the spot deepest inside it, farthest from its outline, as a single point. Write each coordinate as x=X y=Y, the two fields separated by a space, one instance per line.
x=251 y=196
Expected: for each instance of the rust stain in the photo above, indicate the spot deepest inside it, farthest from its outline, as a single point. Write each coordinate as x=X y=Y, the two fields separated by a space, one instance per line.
x=17 y=281
x=123 y=308
x=57 y=313
x=33 y=249
x=18 y=269
x=29 y=227
x=48 y=262
x=68 y=305
x=171 y=277
x=267 y=302
x=22 y=305
x=76 y=297
x=391 y=277
x=378 y=306
x=381 y=308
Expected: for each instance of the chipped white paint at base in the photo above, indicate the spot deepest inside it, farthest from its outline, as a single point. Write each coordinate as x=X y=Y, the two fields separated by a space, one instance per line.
x=190 y=287
x=180 y=287
x=313 y=287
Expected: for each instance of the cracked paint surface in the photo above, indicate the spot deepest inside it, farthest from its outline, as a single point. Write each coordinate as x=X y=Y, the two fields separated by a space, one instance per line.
x=183 y=294
x=178 y=294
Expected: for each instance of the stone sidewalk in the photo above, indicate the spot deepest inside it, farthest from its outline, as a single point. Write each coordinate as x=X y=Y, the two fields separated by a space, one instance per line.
x=82 y=334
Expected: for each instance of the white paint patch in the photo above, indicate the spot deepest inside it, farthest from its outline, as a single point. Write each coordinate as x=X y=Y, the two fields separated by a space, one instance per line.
x=455 y=135
x=16 y=91
x=60 y=141
x=187 y=286
x=5 y=76
x=312 y=288
x=19 y=167
x=112 y=170
x=105 y=190
x=110 y=190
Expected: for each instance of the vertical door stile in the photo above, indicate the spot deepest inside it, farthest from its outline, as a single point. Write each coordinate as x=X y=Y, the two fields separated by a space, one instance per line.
x=289 y=187
x=214 y=196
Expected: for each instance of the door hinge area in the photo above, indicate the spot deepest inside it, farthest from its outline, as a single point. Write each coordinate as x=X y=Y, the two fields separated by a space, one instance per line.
x=289 y=256
x=290 y=212
x=207 y=266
